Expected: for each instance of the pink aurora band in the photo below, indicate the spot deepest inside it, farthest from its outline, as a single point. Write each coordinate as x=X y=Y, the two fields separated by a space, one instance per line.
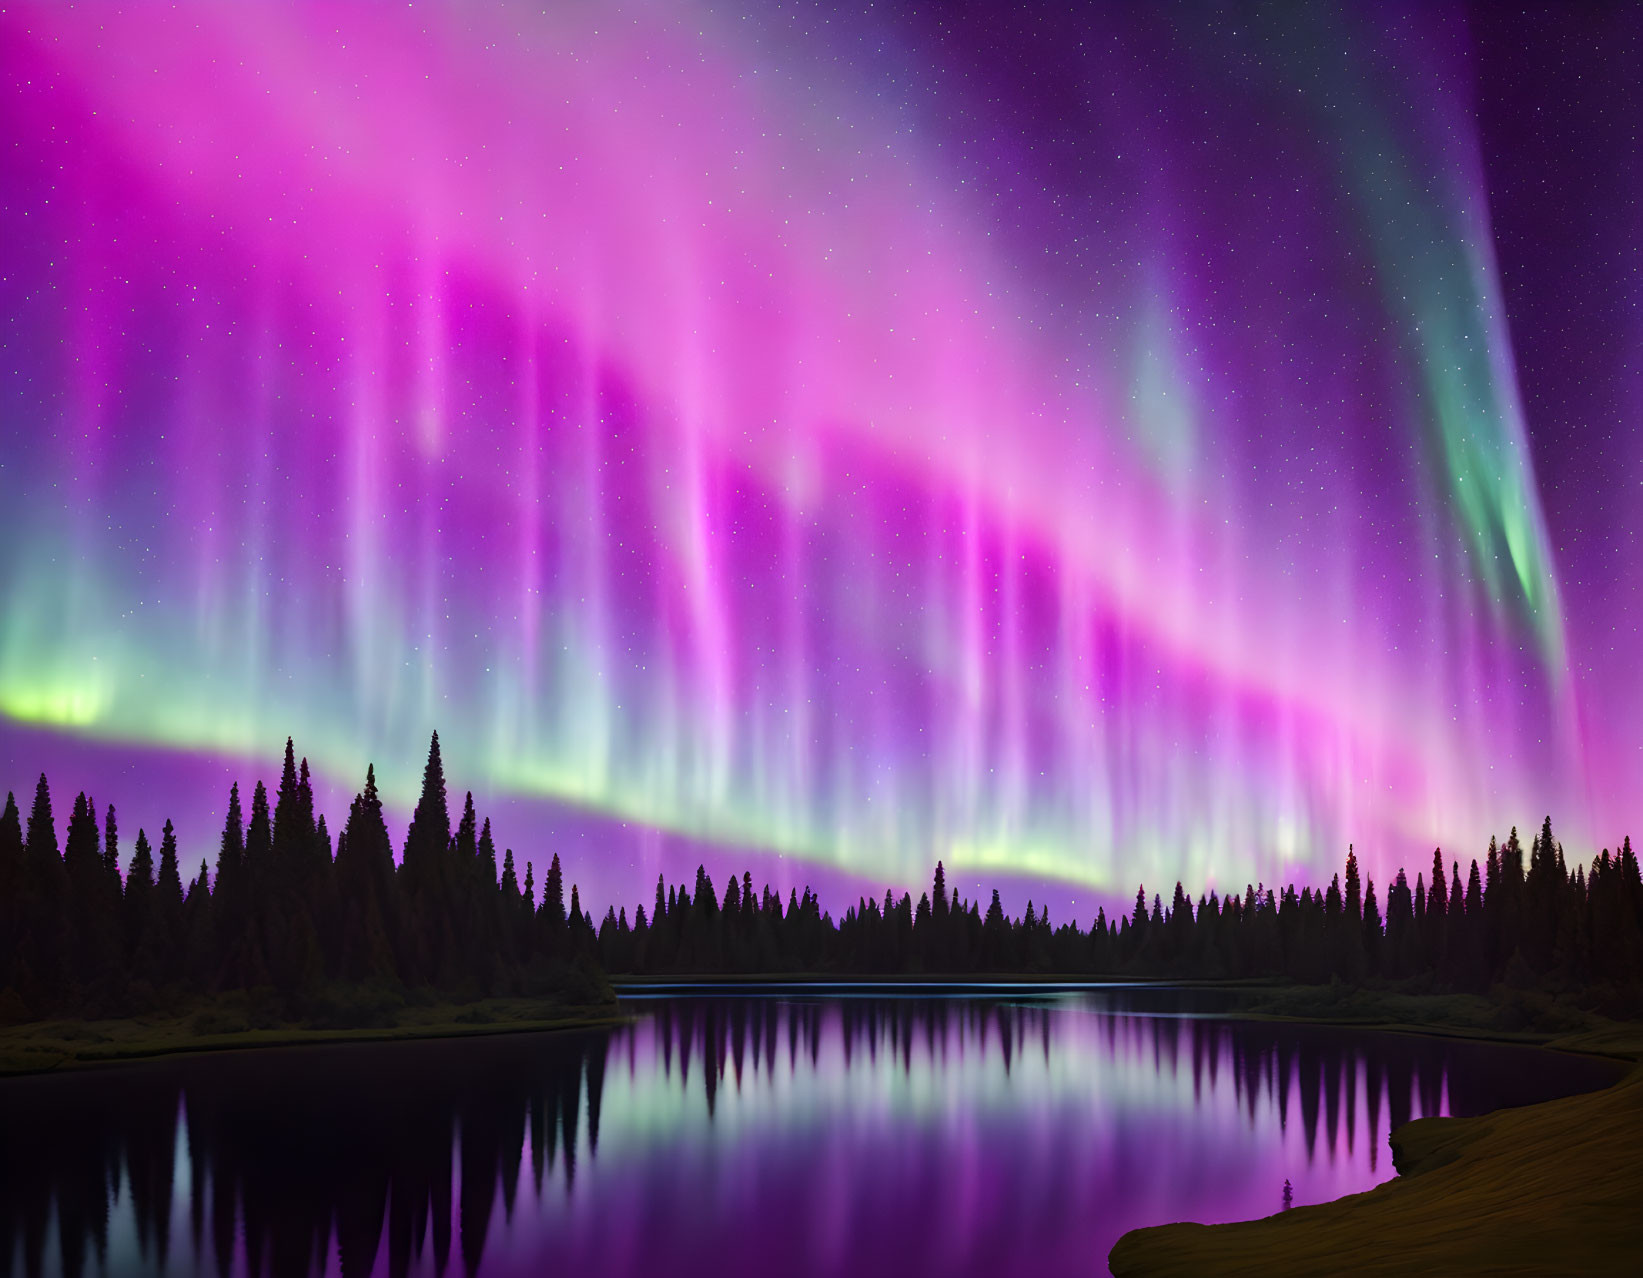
x=671 y=417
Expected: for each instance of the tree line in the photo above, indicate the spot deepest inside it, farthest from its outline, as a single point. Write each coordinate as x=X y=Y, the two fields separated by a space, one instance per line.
x=289 y=916
x=284 y=914
x=1502 y=922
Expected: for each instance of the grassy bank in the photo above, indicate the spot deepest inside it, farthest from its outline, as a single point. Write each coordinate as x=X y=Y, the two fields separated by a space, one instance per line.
x=1520 y=1015
x=42 y=1046
x=1549 y=1188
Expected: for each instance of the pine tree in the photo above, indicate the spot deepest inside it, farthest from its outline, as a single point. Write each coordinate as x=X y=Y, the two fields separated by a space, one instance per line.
x=44 y=913
x=1398 y=952
x=139 y=896
x=487 y=856
x=162 y=940
x=1542 y=899
x=313 y=850
x=995 y=937
x=424 y=873
x=706 y=902
x=111 y=845
x=513 y=913
x=246 y=958
x=1371 y=929
x=40 y=844
x=11 y=893
x=292 y=826
x=1511 y=890
x=231 y=848
x=430 y=831
x=199 y=932
x=259 y=839
x=481 y=901
x=553 y=895
x=92 y=908
x=82 y=855
x=366 y=890
x=287 y=904
x=467 y=834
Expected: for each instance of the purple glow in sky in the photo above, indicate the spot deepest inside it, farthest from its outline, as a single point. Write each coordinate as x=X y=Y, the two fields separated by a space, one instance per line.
x=1084 y=449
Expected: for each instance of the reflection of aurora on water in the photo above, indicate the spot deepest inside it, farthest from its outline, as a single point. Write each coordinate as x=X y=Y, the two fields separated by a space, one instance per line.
x=731 y=1134
x=718 y=431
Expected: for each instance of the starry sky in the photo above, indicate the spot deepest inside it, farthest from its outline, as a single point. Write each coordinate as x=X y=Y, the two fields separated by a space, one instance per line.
x=1088 y=445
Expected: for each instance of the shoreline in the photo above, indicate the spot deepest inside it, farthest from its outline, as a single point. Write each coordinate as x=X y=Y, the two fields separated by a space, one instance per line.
x=1344 y=1008
x=70 y=1046
x=1551 y=1187
x=65 y=1044
x=1546 y=1188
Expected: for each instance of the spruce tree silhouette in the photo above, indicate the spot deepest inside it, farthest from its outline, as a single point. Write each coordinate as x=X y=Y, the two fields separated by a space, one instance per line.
x=286 y=919
x=553 y=897
x=365 y=883
x=425 y=875
x=12 y=1008
x=92 y=903
x=139 y=906
x=111 y=844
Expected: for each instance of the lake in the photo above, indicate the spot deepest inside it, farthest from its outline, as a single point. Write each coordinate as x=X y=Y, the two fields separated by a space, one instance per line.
x=819 y=1131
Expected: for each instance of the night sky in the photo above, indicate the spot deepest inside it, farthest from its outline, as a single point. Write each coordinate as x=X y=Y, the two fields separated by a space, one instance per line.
x=1089 y=447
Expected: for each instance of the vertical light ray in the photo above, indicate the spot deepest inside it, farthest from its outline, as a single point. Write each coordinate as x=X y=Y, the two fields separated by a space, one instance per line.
x=704 y=442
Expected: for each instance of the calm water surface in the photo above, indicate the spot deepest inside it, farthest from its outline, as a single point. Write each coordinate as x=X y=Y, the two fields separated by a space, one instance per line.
x=792 y=1132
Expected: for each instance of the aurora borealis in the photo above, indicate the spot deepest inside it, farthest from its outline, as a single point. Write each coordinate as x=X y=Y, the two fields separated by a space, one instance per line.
x=1088 y=449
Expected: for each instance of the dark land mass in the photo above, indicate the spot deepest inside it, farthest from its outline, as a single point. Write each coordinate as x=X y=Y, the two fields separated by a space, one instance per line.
x=290 y=915
x=43 y=1046
x=1546 y=1189
x=237 y=1021
x=290 y=940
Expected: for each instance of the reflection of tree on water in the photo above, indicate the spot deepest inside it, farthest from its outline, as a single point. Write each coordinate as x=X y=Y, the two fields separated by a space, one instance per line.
x=286 y=1146
x=396 y=1151
x=1267 y=1061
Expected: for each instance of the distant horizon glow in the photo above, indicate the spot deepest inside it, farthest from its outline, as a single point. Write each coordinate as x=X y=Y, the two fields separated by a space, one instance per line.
x=747 y=445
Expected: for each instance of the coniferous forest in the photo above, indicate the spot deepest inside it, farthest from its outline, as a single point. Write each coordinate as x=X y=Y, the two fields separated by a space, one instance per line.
x=283 y=914
x=1504 y=922
x=302 y=924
